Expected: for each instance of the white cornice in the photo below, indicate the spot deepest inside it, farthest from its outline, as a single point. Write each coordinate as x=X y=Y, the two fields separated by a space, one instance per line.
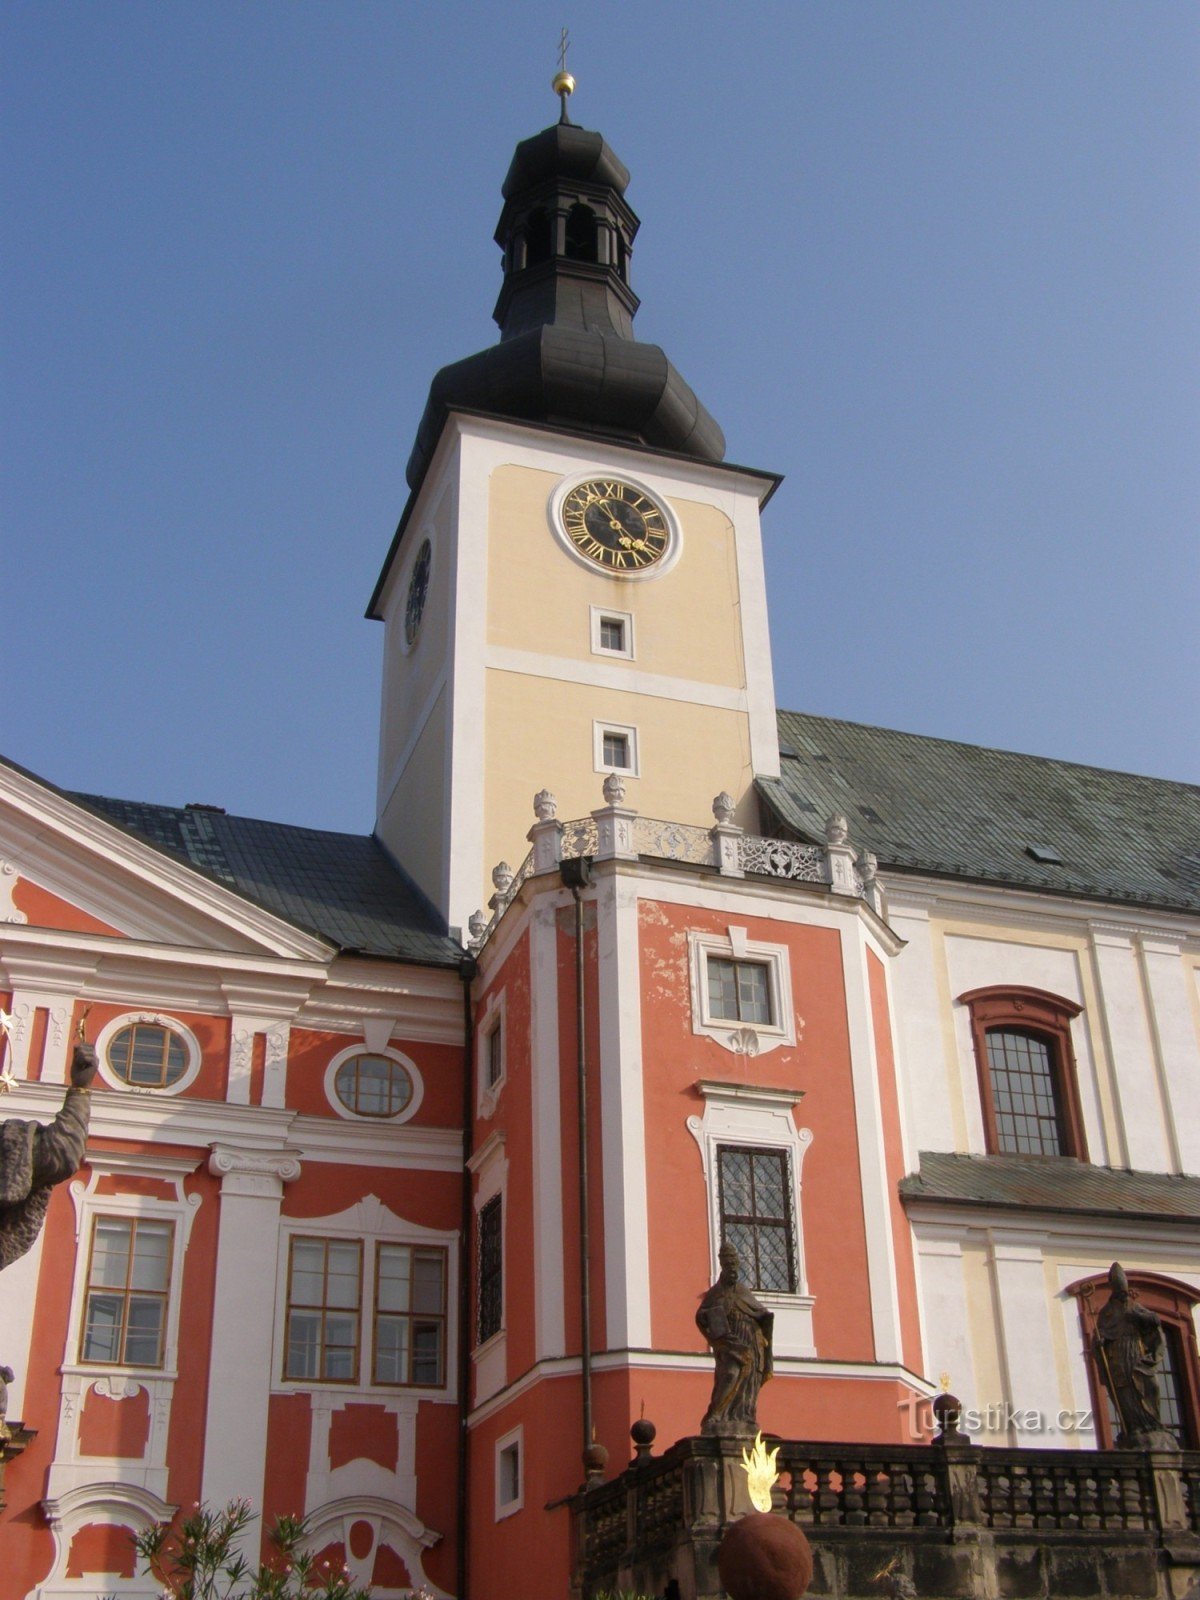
x=1022 y=908
x=356 y=1144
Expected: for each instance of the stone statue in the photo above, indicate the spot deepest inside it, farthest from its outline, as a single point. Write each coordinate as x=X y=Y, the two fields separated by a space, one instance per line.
x=6 y=1377
x=739 y=1330
x=34 y=1158
x=1127 y=1347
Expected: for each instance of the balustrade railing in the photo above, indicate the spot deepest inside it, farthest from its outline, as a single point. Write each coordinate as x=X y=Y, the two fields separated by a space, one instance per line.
x=1066 y=1489
x=725 y=849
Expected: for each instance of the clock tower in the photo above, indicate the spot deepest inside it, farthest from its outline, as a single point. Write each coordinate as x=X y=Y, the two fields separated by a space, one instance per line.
x=576 y=585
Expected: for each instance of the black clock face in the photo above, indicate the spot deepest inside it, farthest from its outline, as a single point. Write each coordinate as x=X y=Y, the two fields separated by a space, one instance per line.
x=418 y=588
x=615 y=525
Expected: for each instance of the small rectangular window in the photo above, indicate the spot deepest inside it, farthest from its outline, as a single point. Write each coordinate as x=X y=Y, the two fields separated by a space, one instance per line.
x=510 y=1489
x=491 y=1269
x=612 y=633
x=324 y=1307
x=739 y=991
x=495 y=1056
x=125 y=1312
x=616 y=751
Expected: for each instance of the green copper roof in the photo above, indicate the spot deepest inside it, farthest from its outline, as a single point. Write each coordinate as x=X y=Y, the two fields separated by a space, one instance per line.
x=935 y=807
x=344 y=887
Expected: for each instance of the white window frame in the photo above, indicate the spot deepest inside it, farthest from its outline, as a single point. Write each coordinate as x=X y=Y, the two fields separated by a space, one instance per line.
x=369 y=1223
x=392 y=1054
x=513 y=1439
x=489 y=1165
x=157 y=1019
x=602 y=614
x=492 y=1022
x=621 y=729
x=743 y=1038
x=748 y=1115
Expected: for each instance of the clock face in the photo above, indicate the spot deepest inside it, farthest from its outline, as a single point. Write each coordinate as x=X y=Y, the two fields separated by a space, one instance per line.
x=615 y=525
x=418 y=588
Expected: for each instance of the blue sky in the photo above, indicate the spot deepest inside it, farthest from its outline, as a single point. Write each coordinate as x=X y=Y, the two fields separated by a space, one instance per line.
x=936 y=263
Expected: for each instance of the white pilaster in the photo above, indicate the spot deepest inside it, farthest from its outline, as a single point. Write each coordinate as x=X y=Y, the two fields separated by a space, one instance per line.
x=1176 y=1046
x=1026 y=1343
x=26 y=1003
x=931 y=1082
x=545 y=1068
x=622 y=1116
x=946 y=1332
x=235 y=1433
x=1135 y=1070
x=868 y=1116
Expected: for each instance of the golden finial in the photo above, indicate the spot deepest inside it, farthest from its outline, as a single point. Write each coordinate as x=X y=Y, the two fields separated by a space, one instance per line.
x=944 y=1380
x=761 y=1476
x=563 y=83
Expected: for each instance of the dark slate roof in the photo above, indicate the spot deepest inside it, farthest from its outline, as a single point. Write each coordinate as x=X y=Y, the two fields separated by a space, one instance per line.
x=1052 y=1183
x=344 y=887
x=935 y=807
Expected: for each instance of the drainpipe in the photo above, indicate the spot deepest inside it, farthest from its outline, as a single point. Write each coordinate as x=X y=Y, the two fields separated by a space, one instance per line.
x=576 y=875
x=467 y=968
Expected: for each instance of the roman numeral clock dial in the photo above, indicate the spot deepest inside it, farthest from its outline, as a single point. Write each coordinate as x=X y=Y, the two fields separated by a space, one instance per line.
x=615 y=525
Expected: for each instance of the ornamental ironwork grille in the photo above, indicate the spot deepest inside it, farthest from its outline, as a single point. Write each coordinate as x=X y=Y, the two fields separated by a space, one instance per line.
x=755 y=1194
x=491 y=1269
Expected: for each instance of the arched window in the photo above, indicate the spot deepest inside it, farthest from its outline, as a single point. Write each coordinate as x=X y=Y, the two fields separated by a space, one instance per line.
x=538 y=241
x=1026 y=1065
x=581 y=233
x=1179 y=1366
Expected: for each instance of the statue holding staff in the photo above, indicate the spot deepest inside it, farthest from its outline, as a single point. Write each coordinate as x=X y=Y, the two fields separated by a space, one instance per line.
x=1128 y=1347
x=739 y=1330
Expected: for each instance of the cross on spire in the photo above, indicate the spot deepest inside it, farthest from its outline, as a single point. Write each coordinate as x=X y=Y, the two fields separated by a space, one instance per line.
x=564 y=83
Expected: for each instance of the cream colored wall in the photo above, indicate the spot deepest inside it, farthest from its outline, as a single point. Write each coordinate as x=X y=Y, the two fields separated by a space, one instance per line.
x=413 y=824
x=686 y=621
x=539 y=735
x=409 y=678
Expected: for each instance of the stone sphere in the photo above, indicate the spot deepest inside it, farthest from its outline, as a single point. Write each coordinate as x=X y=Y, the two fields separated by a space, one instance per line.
x=765 y=1557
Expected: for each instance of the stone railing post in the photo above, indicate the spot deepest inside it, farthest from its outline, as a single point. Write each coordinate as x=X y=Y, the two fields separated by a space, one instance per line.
x=1167 y=1467
x=614 y=824
x=725 y=836
x=839 y=856
x=546 y=834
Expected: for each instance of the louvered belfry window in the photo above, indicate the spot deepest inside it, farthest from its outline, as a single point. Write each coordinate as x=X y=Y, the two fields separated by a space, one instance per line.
x=756 y=1215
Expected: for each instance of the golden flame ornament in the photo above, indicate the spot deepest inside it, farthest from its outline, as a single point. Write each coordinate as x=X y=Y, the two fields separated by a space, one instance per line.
x=761 y=1476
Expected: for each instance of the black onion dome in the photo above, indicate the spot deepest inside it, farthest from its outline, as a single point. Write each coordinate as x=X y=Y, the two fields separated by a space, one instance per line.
x=564 y=151
x=567 y=354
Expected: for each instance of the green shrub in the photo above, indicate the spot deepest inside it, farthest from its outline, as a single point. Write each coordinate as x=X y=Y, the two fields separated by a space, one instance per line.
x=199 y=1559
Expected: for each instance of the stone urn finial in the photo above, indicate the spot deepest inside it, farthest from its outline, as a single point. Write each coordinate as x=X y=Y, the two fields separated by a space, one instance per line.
x=614 y=790
x=723 y=808
x=502 y=877
x=545 y=806
x=837 y=829
x=477 y=926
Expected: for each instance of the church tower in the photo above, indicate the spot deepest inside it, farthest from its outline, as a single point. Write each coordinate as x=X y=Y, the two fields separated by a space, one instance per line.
x=576 y=585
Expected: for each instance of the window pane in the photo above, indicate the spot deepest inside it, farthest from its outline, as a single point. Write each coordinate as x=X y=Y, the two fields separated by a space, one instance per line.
x=102 y=1331
x=394 y=1278
x=143 y=1337
x=151 y=1256
x=391 y=1350
x=756 y=1215
x=612 y=634
x=342 y=1275
x=427 y=1282
x=1021 y=1069
x=616 y=750
x=722 y=989
x=304 y=1342
x=754 y=998
x=427 y=1352
x=495 y=1057
x=490 y=1268
x=110 y=1253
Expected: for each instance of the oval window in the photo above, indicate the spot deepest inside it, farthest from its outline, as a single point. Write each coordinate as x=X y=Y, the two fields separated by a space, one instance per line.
x=373 y=1086
x=147 y=1055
